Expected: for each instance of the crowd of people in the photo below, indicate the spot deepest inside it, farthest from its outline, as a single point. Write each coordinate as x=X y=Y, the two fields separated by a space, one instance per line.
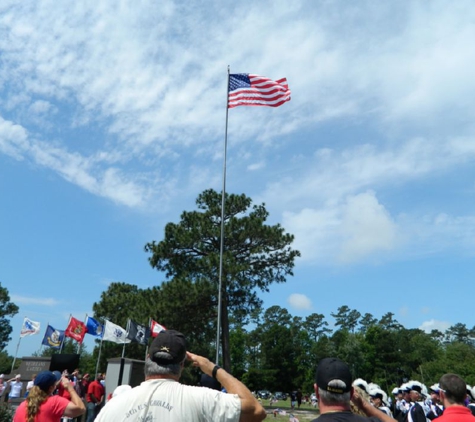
x=52 y=396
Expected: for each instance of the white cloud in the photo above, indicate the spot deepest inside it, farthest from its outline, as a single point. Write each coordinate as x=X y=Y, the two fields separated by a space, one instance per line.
x=24 y=300
x=347 y=231
x=432 y=324
x=366 y=228
x=299 y=301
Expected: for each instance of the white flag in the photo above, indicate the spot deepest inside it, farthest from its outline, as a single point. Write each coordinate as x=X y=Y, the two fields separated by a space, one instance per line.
x=115 y=333
x=29 y=328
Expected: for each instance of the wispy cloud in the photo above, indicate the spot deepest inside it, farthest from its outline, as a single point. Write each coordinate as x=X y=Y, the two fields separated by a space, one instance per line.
x=24 y=300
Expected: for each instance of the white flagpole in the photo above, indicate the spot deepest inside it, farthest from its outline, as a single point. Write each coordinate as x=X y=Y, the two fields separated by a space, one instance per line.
x=127 y=333
x=64 y=336
x=80 y=343
x=100 y=348
x=221 y=243
x=150 y=328
x=16 y=353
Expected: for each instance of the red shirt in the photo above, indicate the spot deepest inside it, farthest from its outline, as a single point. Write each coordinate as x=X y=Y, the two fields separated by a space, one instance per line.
x=51 y=410
x=96 y=388
x=456 y=414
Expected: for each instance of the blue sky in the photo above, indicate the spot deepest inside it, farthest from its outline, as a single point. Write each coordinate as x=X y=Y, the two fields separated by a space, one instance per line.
x=112 y=122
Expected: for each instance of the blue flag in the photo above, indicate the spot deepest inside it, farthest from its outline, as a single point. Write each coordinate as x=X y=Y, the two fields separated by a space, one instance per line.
x=94 y=327
x=53 y=338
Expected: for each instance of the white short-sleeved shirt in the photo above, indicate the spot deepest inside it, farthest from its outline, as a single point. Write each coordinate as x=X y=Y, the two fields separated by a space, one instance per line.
x=167 y=400
x=15 y=389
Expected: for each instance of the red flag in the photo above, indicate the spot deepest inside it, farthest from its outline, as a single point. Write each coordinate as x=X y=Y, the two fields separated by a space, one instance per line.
x=155 y=328
x=76 y=330
x=253 y=90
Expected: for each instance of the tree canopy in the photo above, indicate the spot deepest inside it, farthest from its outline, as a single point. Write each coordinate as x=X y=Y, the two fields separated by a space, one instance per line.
x=7 y=310
x=255 y=255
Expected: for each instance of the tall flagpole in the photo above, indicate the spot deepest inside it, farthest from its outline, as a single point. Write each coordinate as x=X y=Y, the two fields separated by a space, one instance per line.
x=221 y=243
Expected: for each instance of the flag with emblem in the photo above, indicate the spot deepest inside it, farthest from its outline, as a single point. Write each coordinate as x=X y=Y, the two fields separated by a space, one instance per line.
x=94 y=327
x=76 y=329
x=115 y=333
x=53 y=337
x=247 y=89
x=138 y=332
x=29 y=327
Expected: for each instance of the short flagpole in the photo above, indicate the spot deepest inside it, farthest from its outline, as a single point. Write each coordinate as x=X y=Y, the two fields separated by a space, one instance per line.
x=221 y=243
x=127 y=333
x=64 y=336
x=16 y=353
x=99 y=354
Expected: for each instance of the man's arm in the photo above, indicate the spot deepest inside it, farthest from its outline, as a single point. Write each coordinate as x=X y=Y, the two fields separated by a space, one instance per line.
x=251 y=409
x=76 y=406
x=369 y=409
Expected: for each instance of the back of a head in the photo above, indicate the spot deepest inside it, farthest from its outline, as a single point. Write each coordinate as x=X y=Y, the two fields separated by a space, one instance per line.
x=167 y=353
x=333 y=378
x=454 y=388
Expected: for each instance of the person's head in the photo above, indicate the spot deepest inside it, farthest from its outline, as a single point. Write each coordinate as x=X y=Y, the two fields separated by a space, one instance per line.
x=167 y=354
x=44 y=385
x=333 y=382
x=17 y=377
x=453 y=390
x=378 y=397
x=85 y=378
x=434 y=393
x=415 y=391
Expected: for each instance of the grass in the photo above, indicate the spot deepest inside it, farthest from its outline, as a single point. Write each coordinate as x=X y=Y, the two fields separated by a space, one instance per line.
x=306 y=412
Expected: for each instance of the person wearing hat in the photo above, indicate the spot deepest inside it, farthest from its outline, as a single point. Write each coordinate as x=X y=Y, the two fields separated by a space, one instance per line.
x=15 y=386
x=42 y=406
x=418 y=409
x=334 y=391
x=452 y=391
x=436 y=409
x=161 y=397
x=379 y=398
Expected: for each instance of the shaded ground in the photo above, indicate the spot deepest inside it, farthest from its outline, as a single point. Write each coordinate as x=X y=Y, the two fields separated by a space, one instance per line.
x=303 y=415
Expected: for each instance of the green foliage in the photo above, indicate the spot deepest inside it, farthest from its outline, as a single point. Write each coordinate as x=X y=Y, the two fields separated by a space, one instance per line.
x=255 y=255
x=5 y=362
x=6 y=412
x=7 y=309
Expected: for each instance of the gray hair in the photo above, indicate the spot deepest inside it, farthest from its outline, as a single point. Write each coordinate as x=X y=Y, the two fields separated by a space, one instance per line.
x=332 y=399
x=152 y=368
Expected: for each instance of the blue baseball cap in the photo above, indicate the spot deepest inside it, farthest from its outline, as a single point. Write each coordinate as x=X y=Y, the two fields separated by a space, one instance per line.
x=44 y=380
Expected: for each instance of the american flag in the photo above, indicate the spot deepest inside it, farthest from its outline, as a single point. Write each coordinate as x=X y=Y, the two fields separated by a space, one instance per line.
x=253 y=90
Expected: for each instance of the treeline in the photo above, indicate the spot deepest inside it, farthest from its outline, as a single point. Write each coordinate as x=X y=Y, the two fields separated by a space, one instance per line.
x=275 y=350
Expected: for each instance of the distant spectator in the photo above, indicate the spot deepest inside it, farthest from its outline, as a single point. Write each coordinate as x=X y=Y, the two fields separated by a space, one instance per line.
x=16 y=386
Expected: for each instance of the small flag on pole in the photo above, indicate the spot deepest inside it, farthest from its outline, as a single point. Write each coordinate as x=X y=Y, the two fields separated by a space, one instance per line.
x=94 y=327
x=138 y=332
x=53 y=337
x=155 y=327
x=253 y=90
x=76 y=330
x=29 y=328
x=115 y=333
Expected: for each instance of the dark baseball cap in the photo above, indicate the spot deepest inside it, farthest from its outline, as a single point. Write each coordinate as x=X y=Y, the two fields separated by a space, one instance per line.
x=44 y=380
x=330 y=369
x=169 y=347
